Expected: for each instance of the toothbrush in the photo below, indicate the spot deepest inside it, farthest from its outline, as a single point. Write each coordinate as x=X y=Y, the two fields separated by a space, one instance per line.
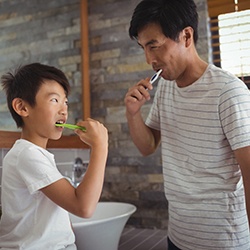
x=155 y=76
x=70 y=126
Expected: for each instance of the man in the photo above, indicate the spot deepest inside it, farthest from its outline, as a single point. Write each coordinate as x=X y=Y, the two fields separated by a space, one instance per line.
x=201 y=116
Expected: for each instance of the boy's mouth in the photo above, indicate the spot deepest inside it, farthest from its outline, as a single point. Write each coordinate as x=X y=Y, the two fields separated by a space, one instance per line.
x=60 y=122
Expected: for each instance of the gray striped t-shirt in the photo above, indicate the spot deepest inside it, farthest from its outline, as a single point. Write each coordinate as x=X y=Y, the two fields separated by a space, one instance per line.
x=200 y=126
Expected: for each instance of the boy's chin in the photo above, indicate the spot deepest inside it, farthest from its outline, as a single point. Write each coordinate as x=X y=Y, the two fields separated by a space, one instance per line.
x=55 y=138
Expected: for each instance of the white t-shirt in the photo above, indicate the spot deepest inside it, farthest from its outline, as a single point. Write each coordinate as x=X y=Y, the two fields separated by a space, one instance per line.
x=200 y=126
x=30 y=220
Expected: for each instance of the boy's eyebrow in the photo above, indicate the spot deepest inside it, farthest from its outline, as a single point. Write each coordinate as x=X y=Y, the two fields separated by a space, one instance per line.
x=54 y=93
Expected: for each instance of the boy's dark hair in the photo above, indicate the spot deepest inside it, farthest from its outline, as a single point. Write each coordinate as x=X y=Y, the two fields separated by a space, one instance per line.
x=25 y=82
x=172 y=15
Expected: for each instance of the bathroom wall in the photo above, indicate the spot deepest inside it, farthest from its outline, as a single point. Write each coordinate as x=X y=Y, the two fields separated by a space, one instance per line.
x=116 y=63
x=46 y=32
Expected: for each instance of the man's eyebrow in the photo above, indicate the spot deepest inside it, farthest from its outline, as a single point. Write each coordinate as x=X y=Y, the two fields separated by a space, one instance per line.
x=153 y=41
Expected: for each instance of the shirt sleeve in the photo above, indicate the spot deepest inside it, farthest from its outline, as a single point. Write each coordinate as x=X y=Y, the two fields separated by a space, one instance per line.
x=37 y=169
x=234 y=110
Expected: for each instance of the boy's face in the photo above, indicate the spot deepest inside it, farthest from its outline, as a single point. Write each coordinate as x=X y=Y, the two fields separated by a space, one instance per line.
x=51 y=107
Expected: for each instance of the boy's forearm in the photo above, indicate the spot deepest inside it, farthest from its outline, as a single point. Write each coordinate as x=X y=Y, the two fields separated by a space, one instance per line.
x=89 y=190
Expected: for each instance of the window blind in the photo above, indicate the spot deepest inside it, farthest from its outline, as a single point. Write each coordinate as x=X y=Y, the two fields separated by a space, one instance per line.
x=217 y=7
x=230 y=36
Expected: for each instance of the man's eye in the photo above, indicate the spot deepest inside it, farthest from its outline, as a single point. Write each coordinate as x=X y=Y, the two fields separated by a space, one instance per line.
x=66 y=102
x=154 y=47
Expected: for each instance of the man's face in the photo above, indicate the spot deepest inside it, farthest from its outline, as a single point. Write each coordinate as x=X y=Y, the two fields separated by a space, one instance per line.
x=162 y=52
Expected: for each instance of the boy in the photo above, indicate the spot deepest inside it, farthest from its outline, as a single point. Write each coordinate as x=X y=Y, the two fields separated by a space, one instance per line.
x=36 y=198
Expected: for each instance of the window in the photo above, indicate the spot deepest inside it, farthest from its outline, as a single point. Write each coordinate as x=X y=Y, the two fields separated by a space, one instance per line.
x=230 y=36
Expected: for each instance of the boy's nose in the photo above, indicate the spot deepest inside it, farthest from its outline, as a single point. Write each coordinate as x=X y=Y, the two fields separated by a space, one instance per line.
x=64 y=111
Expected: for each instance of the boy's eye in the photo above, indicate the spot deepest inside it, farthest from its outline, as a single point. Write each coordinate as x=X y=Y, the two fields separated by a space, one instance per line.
x=54 y=100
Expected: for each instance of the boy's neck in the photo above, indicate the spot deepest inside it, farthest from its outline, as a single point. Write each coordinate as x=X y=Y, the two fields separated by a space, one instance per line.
x=39 y=141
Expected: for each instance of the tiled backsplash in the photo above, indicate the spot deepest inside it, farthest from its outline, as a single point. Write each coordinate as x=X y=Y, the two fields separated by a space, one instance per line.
x=63 y=157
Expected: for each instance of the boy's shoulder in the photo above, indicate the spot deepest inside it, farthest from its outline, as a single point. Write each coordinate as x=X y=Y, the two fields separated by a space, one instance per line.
x=27 y=150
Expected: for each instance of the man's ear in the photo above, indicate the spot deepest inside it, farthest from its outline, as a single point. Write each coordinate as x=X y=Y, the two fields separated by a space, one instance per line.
x=188 y=36
x=19 y=105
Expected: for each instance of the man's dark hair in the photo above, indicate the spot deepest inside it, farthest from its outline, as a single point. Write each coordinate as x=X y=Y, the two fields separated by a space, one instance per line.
x=172 y=15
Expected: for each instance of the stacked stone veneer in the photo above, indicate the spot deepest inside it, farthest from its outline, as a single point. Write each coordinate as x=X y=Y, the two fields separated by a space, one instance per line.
x=116 y=63
x=41 y=31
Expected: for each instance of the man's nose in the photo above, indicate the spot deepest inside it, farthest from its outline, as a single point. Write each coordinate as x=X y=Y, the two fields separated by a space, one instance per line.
x=150 y=58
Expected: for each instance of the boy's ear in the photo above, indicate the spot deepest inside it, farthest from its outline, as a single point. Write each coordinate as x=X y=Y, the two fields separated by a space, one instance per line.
x=19 y=105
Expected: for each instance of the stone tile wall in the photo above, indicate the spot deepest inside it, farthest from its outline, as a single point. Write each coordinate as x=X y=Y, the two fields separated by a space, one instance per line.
x=41 y=31
x=116 y=63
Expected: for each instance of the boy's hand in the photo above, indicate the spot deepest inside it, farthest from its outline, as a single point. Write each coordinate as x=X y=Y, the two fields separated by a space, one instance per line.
x=96 y=133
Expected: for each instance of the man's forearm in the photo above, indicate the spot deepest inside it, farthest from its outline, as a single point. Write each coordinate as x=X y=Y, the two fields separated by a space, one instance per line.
x=141 y=135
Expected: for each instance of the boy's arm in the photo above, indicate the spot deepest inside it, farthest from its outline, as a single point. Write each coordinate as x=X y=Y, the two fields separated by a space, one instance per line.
x=82 y=200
